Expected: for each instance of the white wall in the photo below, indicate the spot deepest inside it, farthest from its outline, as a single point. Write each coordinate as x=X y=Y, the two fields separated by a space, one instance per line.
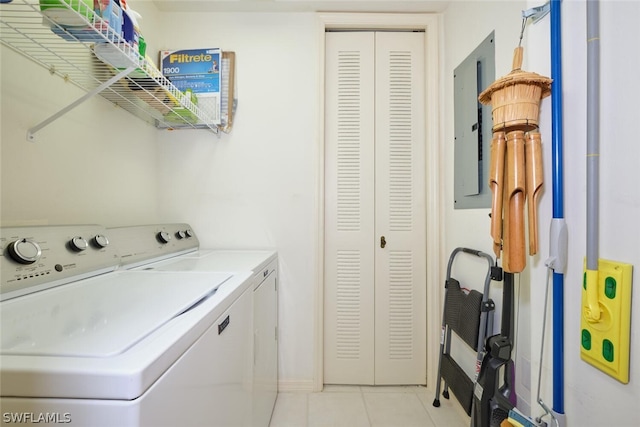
x=590 y=394
x=96 y=164
x=256 y=187
x=591 y=397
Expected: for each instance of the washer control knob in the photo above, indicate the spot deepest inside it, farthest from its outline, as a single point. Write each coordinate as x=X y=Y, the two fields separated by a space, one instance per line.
x=25 y=251
x=78 y=244
x=181 y=234
x=101 y=241
x=164 y=237
x=188 y=232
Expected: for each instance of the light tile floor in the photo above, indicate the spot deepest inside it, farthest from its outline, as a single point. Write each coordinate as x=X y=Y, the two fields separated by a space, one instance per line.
x=363 y=406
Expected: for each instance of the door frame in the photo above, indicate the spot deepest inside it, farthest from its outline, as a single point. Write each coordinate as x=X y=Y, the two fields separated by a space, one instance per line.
x=431 y=24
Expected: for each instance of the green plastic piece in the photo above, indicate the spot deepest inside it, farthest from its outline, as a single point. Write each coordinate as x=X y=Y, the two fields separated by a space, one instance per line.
x=610 y=287
x=607 y=350
x=586 y=339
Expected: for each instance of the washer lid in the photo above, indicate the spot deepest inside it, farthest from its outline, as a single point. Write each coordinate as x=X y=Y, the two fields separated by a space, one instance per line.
x=101 y=316
x=216 y=260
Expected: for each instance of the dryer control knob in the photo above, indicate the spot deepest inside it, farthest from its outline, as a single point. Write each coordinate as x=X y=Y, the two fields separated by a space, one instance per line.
x=101 y=240
x=164 y=237
x=78 y=244
x=188 y=232
x=25 y=251
x=181 y=234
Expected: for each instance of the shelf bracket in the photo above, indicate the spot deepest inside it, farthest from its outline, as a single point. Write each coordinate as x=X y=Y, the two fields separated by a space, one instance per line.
x=31 y=132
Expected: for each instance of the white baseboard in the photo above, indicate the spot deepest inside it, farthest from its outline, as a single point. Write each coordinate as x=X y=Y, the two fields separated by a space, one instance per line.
x=296 y=386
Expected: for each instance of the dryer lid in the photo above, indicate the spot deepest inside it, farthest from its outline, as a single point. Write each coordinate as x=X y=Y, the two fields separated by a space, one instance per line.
x=102 y=316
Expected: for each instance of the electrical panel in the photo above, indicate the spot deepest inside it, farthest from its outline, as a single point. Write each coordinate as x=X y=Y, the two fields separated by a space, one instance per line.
x=472 y=126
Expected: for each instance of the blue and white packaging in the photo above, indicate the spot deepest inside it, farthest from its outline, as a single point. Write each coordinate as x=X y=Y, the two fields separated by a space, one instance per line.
x=198 y=70
x=107 y=22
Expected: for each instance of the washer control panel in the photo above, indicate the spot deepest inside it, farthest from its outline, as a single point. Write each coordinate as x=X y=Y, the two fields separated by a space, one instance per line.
x=143 y=244
x=36 y=258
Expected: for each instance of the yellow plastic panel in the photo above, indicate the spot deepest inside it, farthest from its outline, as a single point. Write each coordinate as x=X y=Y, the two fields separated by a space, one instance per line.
x=605 y=343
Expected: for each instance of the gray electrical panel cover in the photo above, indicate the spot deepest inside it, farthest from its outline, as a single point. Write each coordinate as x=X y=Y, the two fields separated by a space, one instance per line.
x=472 y=126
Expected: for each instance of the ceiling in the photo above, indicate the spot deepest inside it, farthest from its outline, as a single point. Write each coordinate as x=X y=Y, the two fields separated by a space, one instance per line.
x=301 y=5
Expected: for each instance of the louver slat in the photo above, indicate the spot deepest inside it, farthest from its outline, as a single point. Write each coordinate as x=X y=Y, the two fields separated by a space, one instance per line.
x=349 y=212
x=400 y=139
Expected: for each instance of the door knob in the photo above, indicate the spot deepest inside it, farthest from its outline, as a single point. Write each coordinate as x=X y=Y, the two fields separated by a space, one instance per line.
x=383 y=242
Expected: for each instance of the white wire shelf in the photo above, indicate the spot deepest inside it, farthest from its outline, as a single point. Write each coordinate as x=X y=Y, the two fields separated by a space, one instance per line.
x=99 y=61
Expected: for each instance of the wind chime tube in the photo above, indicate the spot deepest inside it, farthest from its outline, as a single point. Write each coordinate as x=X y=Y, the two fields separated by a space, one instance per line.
x=496 y=179
x=535 y=177
x=515 y=196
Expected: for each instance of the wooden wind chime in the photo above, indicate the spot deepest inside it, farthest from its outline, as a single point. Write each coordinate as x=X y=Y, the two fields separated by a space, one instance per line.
x=515 y=171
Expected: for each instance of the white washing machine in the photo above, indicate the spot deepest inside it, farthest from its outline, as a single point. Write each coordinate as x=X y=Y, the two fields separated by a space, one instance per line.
x=84 y=345
x=140 y=246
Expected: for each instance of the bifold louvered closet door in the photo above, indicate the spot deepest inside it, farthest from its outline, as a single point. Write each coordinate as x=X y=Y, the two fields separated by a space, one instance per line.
x=375 y=243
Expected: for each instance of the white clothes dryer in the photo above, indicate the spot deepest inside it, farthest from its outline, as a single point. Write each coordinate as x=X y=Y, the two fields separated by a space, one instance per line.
x=139 y=247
